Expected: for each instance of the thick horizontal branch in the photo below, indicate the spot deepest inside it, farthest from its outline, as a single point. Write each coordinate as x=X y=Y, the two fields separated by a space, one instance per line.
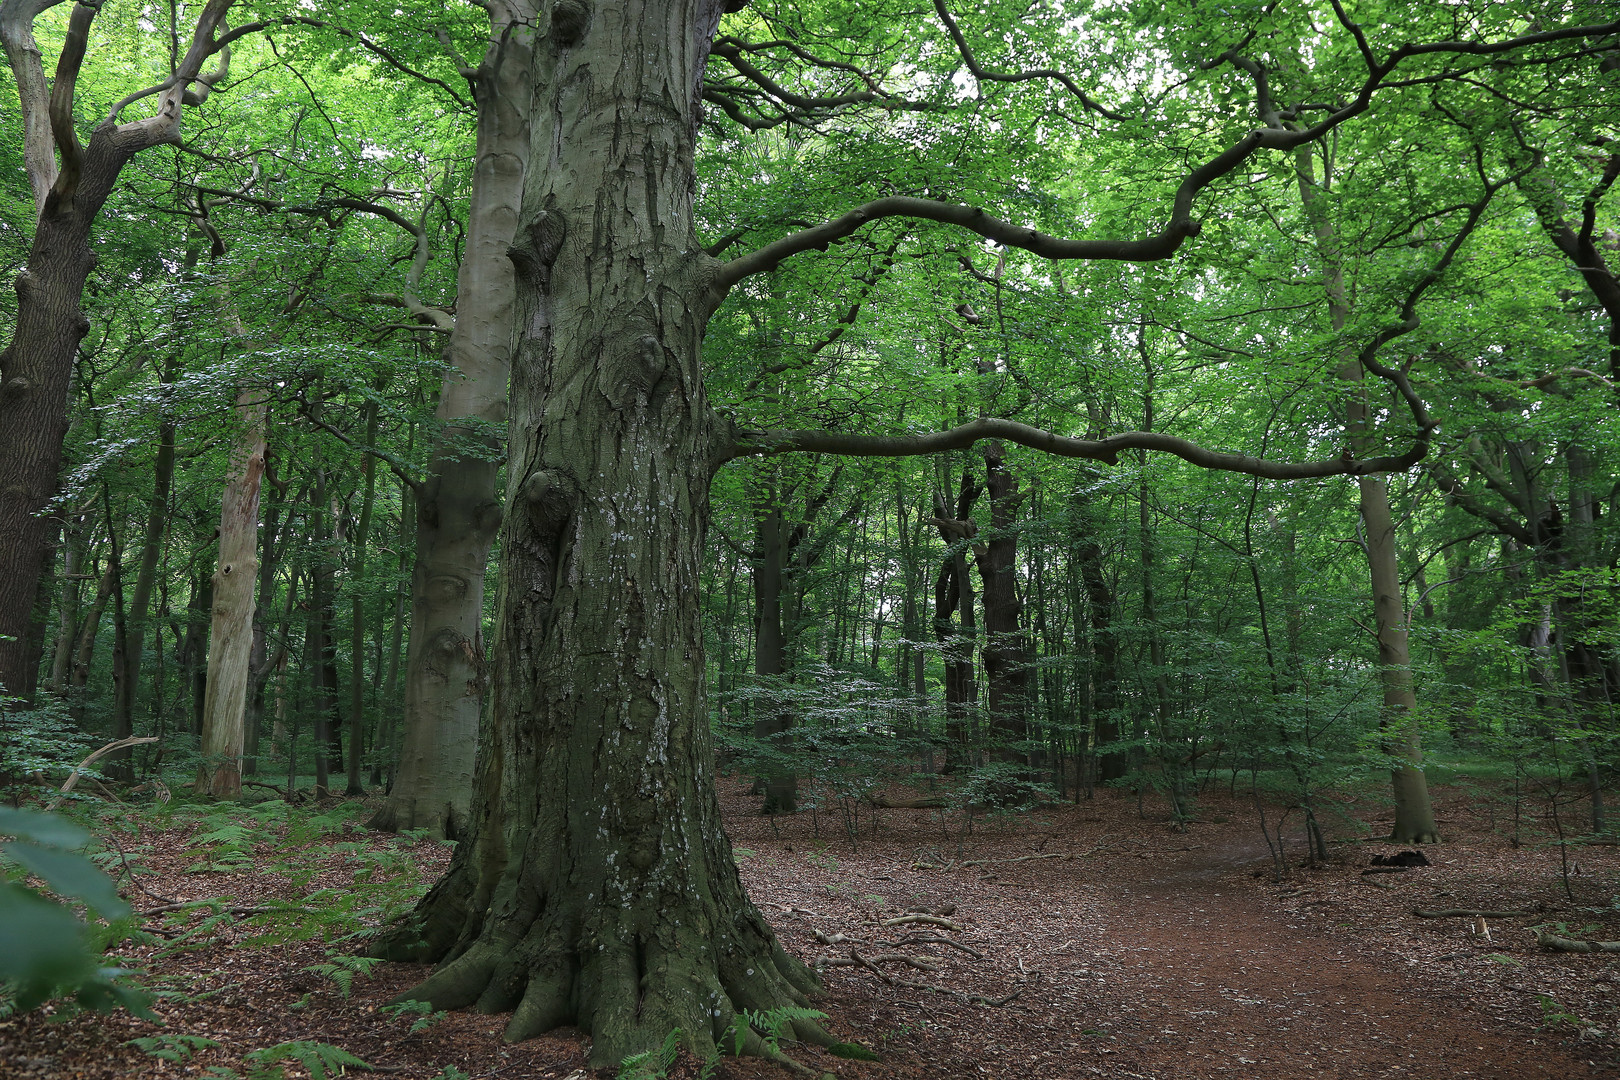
x=771 y=443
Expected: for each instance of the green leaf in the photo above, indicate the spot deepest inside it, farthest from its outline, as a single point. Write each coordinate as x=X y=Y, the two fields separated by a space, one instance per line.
x=43 y=948
x=47 y=829
x=70 y=874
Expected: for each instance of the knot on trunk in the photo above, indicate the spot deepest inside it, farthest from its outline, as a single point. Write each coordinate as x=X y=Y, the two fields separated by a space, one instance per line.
x=538 y=246
x=569 y=21
x=550 y=496
x=638 y=369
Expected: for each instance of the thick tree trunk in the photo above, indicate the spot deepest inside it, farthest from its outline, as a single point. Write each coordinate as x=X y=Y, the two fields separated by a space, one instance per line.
x=458 y=511
x=229 y=659
x=598 y=886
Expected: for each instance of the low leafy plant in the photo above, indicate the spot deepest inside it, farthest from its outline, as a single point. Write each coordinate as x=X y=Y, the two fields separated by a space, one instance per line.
x=652 y=1064
x=322 y=1061
x=46 y=950
x=342 y=969
x=172 y=1045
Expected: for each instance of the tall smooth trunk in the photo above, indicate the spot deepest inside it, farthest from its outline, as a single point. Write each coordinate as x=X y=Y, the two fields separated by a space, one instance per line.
x=458 y=511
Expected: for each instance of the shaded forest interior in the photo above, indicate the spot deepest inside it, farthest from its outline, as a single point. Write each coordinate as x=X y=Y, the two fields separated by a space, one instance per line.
x=499 y=416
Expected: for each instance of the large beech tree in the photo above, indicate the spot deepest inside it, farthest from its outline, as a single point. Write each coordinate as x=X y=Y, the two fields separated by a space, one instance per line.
x=597 y=885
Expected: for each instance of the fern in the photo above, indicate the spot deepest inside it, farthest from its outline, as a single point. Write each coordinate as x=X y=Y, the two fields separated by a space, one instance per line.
x=322 y=1060
x=426 y=1015
x=653 y=1064
x=771 y=1024
x=171 y=1046
x=342 y=970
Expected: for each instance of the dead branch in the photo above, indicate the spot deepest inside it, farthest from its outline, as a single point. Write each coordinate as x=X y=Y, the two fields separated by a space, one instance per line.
x=1472 y=913
x=1564 y=944
x=932 y=920
x=73 y=777
x=932 y=939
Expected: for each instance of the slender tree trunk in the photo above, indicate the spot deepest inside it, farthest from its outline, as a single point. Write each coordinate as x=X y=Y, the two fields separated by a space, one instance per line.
x=1006 y=650
x=458 y=512
x=357 y=609
x=772 y=724
x=126 y=673
x=598 y=886
x=67 y=608
x=1414 y=815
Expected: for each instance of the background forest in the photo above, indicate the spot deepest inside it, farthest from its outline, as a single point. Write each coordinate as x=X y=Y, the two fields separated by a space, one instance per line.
x=304 y=302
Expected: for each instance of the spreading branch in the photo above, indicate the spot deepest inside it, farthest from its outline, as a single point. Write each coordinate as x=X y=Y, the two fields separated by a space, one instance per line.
x=770 y=443
x=1180 y=224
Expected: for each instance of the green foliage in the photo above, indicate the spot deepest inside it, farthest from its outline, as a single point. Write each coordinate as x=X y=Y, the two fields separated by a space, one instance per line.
x=41 y=743
x=652 y=1064
x=342 y=970
x=46 y=951
x=425 y=1015
x=172 y=1046
x=322 y=1061
x=772 y=1024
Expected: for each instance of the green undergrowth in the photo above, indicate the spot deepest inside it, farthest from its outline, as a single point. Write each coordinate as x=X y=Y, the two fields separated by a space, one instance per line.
x=286 y=874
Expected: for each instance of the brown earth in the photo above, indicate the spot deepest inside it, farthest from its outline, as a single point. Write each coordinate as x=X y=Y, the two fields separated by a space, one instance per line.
x=1080 y=941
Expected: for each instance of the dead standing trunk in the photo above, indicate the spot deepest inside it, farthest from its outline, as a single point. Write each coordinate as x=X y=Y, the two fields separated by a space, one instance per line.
x=458 y=512
x=229 y=658
x=598 y=886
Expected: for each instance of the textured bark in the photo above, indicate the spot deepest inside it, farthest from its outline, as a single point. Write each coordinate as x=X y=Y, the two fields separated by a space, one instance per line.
x=598 y=886
x=231 y=633
x=1006 y=649
x=458 y=510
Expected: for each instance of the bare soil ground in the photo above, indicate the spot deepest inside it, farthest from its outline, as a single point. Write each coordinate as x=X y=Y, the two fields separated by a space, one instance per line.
x=1073 y=941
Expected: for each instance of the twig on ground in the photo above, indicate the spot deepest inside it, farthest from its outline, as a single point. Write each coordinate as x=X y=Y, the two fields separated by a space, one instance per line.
x=1472 y=913
x=931 y=920
x=930 y=939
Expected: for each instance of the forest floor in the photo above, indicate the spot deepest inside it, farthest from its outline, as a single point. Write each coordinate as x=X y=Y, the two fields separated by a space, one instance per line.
x=1084 y=940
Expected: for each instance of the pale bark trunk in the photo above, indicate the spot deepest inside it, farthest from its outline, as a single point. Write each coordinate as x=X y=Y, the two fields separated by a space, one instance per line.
x=598 y=886
x=458 y=511
x=231 y=634
x=1414 y=814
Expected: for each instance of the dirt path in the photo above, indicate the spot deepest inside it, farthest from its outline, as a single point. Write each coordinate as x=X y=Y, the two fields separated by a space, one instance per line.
x=1072 y=943
x=1153 y=954
x=1230 y=985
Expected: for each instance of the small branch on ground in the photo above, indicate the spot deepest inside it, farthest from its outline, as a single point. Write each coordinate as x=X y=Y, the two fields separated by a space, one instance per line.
x=1474 y=913
x=931 y=920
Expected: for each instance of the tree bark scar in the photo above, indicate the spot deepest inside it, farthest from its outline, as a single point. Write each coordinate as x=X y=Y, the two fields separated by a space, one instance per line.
x=534 y=253
x=569 y=21
x=551 y=497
